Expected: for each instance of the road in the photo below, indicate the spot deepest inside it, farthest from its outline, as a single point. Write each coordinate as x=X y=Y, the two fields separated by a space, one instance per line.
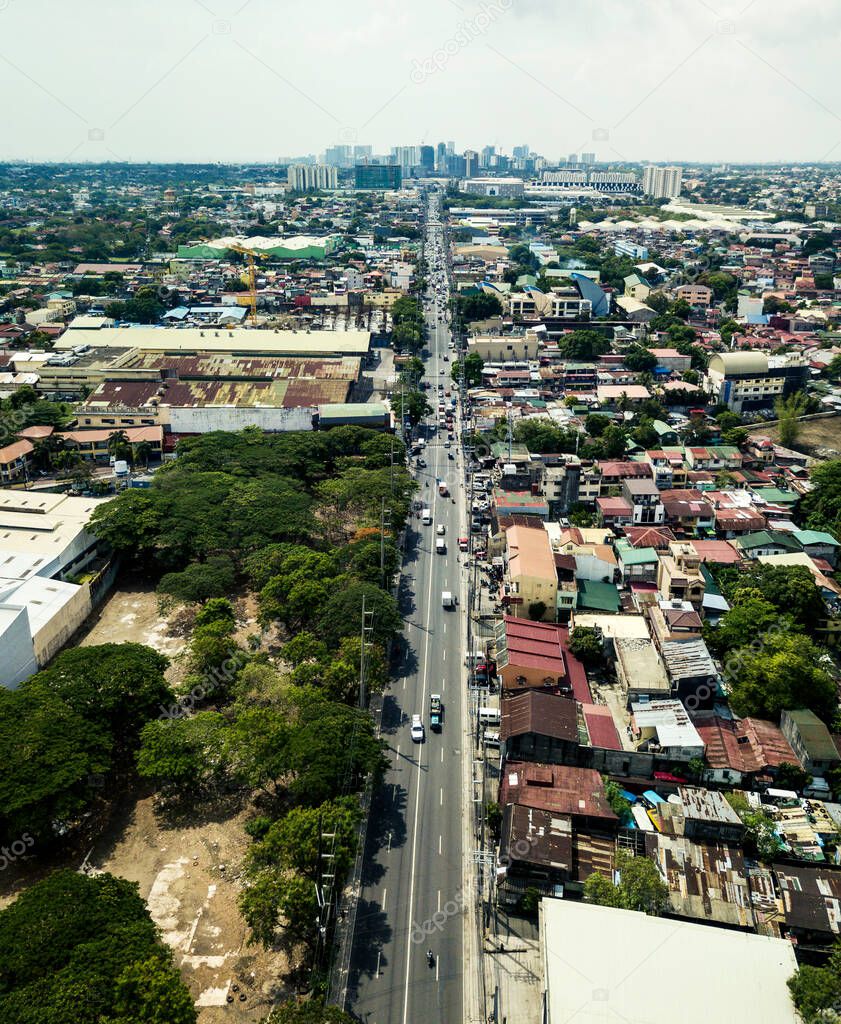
x=412 y=894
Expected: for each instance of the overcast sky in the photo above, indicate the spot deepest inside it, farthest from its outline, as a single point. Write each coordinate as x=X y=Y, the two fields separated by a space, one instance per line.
x=244 y=80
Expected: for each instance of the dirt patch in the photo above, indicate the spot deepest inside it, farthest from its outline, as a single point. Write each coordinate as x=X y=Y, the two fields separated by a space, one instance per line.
x=818 y=438
x=189 y=877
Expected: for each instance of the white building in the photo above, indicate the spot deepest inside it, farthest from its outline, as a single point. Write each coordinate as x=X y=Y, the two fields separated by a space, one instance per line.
x=663 y=726
x=312 y=177
x=662 y=182
x=602 y=964
x=43 y=541
x=506 y=187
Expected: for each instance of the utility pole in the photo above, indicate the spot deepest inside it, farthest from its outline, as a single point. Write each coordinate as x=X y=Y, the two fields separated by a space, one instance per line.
x=366 y=632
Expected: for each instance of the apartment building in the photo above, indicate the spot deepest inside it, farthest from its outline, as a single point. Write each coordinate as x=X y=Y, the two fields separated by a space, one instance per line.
x=695 y=294
x=532 y=579
x=662 y=182
x=520 y=347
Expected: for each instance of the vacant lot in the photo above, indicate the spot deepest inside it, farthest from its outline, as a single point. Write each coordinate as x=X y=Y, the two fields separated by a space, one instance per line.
x=188 y=876
x=820 y=438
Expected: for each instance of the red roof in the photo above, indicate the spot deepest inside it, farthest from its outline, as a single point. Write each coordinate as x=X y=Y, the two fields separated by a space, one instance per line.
x=544 y=646
x=578 y=792
x=601 y=728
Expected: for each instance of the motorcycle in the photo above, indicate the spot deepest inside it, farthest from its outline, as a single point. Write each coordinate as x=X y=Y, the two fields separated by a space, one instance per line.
x=430 y=959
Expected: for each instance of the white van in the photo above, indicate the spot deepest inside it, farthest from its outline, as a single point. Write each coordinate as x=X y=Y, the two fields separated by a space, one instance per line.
x=489 y=716
x=440 y=546
x=426 y=517
x=491 y=739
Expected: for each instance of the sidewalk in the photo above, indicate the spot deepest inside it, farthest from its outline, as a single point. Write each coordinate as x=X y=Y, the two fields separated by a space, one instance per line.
x=514 y=970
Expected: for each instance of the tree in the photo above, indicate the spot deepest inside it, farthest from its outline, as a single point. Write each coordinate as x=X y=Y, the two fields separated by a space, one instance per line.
x=640 y=359
x=790 y=588
x=788 y=412
x=472 y=365
x=586 y=344
x=642 y=887
x=749 y=617
x=791 y=776
x=602 y=892
x=614 y=441
x=586 y=644
x=342 y=614
x=201 y=581
x=309 y=1012
x=618 y=803
x=83 y=948
x=596 y=424
x=783 y=673
x=537 y=610
x=541 y=435
x=183 y=755
x=477 y=307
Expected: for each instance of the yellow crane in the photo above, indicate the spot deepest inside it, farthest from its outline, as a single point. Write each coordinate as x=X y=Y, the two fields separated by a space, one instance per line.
x=251 y=255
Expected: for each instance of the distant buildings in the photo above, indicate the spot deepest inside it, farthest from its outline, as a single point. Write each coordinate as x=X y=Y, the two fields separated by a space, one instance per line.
x=662 y=182
x=312 y=177
x=503 y=187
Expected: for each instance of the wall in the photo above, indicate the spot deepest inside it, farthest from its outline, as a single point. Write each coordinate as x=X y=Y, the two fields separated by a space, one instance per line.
x=18 y=650
x=61 y=627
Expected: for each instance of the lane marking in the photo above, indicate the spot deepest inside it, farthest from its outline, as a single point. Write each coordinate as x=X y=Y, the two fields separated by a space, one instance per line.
x=441 y=797
x=385 y=894
x=439 y=846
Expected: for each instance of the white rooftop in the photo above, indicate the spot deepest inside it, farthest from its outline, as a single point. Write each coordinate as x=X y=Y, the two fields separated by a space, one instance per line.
x=178 y=340
x=602 y=964
x=669 y=718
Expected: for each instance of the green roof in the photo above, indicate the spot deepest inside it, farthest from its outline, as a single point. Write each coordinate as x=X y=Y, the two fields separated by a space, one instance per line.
x=635 y=556
x=601 y=597
x=806 y=537
x=711 y=585
x=776 y=495
x=767 y=538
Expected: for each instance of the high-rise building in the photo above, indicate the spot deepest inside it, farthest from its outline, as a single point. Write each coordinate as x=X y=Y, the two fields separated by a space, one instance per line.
x=471 y=163
x=588 y=158
x=427 y=159
x=339 y=156
x=662 y=182
x=572 y=158
x=407 y=158
x=521 y=152
x=362 y=153
x=378 y=176
x=486 y=155
x=312 y=177
x=441 y=157
x=451 y=149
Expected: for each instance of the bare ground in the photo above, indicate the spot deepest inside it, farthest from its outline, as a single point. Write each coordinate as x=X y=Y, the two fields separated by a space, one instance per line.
x=819 y=438
x=188 y=872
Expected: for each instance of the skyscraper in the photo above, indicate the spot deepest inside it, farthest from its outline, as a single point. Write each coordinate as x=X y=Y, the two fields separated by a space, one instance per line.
x=471 y=162
x=521 y=152
x=588 y=158
x=427 y=159
x=378 y=176
x=572 y=158
x=485 y=156
x=441 y=157
x=662 y=182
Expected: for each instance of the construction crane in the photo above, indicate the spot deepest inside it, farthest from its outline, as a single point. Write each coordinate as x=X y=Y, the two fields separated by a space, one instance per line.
x=251 y=255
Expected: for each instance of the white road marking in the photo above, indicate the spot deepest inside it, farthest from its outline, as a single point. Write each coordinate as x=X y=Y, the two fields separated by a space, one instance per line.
x=439 y=846
x=385 y=893
x=439 y=902
x=441 y=797
x=442 y=755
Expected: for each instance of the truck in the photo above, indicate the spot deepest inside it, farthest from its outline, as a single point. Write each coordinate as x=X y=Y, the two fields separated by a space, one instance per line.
x=448 y=599
x=436 y=712
x=440 y=546
x=443 y=490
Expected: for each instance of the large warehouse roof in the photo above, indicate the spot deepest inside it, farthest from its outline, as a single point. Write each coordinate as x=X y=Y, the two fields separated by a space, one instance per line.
x=236 y=340
x=602 y=964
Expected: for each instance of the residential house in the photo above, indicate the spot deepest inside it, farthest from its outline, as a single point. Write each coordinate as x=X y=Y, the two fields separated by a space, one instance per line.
x=637 y=565
x=536 y=655
x=664 y=727
x=818 y=544
x=537 y=726
x=701 y=814
x=559 y=789
x=535 y=852
x=640 y=671
x=740 y=750
x=691 y=671
x=673 y=621
x=644 y=497
x=15 y=461
x=695 y=294
x=679 y=576
x=687 y=510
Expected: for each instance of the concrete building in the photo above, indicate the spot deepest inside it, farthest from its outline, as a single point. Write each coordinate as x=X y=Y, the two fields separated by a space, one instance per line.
x=530 y=571
x=385 y=177
x=810 y=740
x=312 y=177
x=664 y=727
x=679 y=577
x=43 y=541
x=745 y=381
x=508 y=188
x=662 y=182
x=694 y=294
x=506 y=348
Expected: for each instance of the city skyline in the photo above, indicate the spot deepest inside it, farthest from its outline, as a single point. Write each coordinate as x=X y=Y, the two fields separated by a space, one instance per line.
x=219 y=81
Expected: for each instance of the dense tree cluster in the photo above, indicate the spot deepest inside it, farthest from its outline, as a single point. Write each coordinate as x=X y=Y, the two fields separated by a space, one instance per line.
x=84 y=949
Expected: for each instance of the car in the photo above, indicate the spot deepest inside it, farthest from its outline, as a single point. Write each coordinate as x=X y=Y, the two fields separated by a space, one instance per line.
x=440 y=529
x=422 y=463
x=447 y=443
x=418 y=733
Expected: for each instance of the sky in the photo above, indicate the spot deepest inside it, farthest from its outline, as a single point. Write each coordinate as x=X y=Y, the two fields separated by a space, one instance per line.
x=256 y=80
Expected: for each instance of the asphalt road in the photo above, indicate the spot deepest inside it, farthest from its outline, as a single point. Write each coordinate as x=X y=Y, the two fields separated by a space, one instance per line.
x=412 y=886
